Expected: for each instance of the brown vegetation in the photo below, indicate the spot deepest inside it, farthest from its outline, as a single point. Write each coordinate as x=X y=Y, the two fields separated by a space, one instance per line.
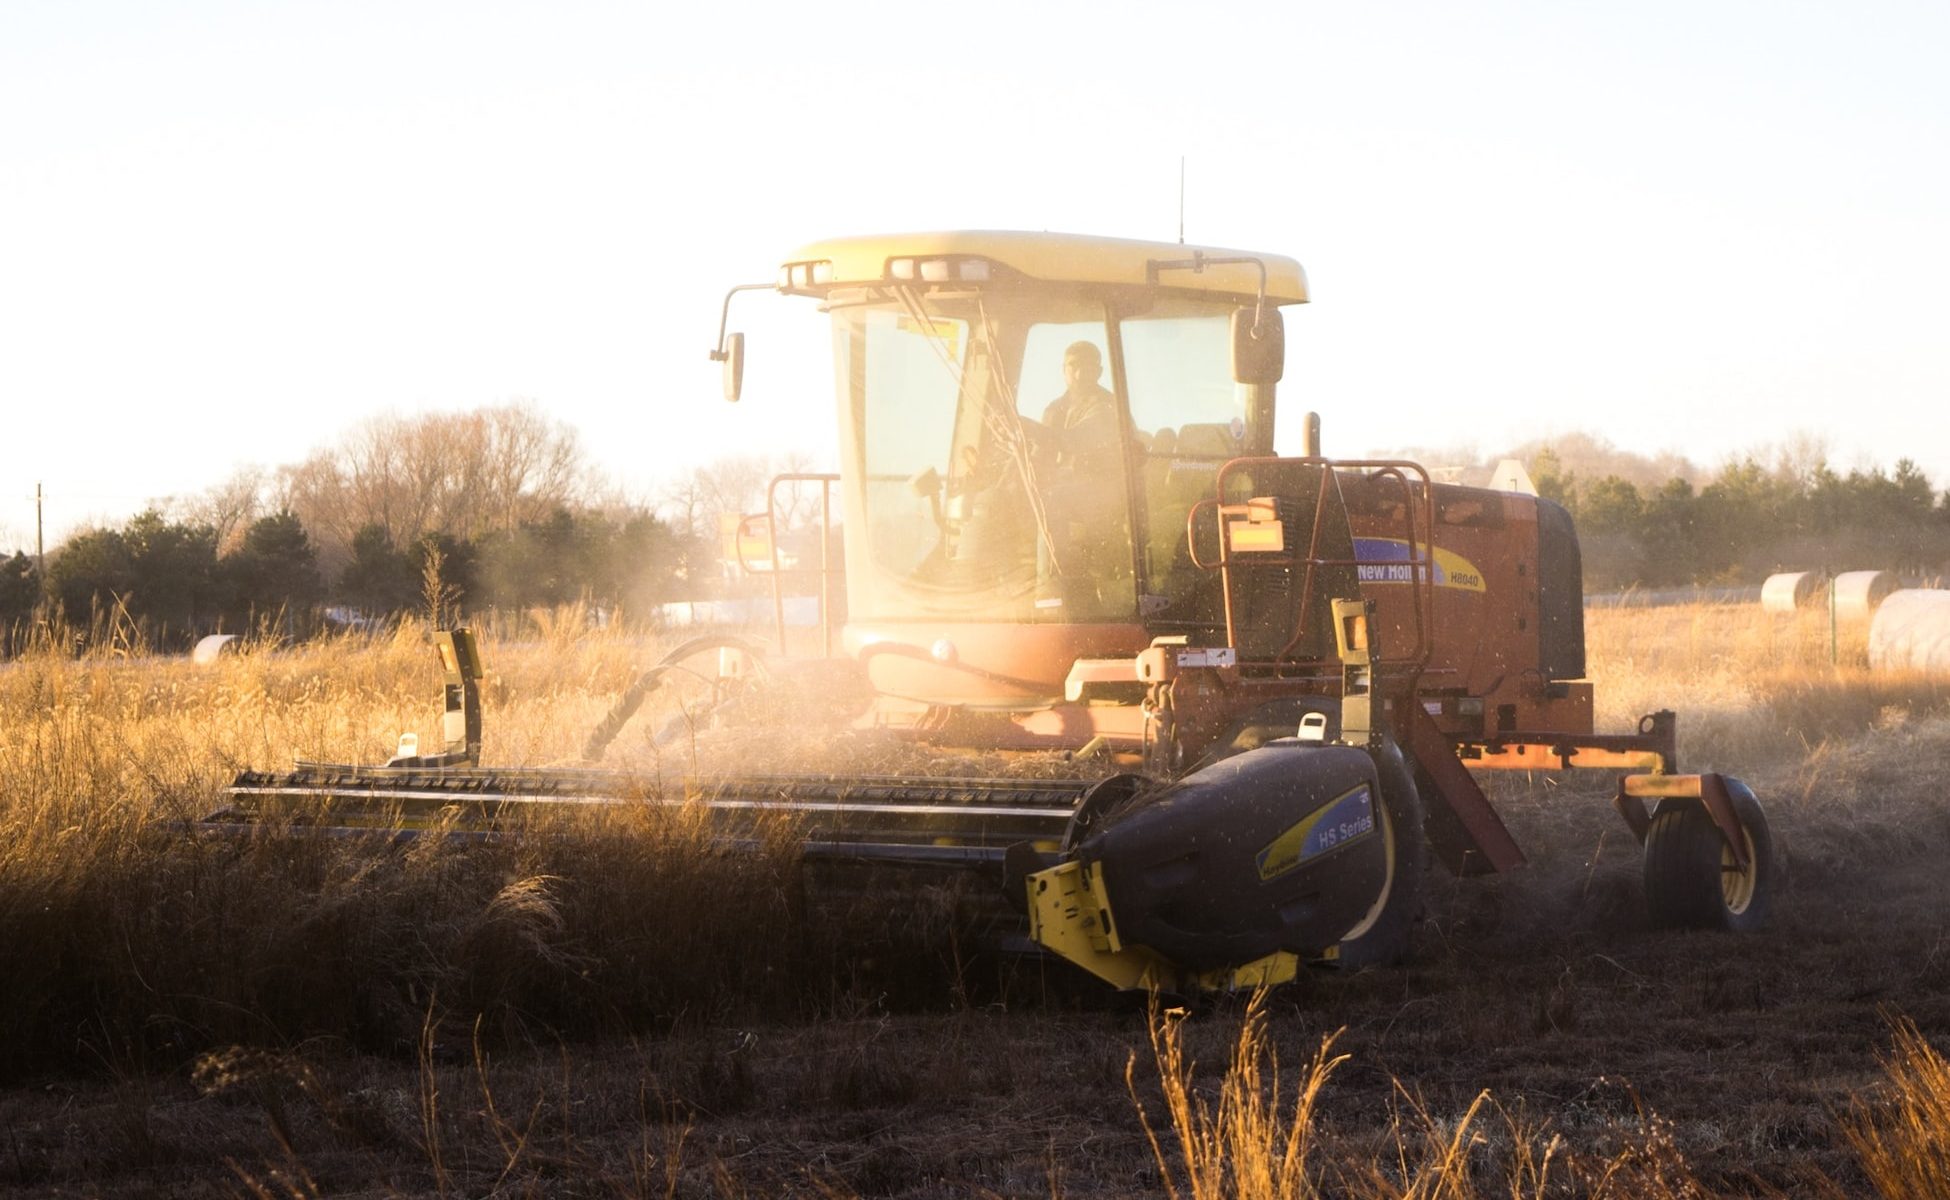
x=613 y=1009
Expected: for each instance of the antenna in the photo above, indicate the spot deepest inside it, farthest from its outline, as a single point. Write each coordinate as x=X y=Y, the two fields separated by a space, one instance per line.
x=1181 y=199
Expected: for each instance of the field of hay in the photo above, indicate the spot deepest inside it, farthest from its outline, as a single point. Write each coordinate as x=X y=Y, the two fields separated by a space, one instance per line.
x=611 y=1010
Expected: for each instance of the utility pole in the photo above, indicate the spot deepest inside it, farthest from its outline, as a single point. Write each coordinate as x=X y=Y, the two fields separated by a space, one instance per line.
x=40 y=550
x=1181 y=199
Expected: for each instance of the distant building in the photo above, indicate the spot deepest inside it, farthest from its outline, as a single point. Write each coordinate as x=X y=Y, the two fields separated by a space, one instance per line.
x=1510 y=476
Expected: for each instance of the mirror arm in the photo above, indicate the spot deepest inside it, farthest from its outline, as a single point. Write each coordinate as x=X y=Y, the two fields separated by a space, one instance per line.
x=724 y=316
x=1197 y=263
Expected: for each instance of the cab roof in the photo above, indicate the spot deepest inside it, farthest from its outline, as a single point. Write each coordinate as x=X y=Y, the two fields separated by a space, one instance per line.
x=1051 y=257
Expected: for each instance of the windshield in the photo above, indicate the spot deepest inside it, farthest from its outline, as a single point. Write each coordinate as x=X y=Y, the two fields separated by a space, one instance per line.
x=995 y=436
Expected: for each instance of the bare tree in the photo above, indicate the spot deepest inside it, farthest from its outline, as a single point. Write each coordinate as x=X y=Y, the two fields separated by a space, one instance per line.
x=704 y=504
x=698 y=501
x=1800 y=457
x=513 y=465
x=229 y=507
x=463 y=474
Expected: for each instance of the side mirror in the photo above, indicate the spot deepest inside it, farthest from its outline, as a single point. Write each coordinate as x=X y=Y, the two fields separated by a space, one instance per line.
x=1258 y=345
x=733 y=357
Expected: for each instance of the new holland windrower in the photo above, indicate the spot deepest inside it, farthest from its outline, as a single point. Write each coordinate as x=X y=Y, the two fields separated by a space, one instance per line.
x=1065 y=528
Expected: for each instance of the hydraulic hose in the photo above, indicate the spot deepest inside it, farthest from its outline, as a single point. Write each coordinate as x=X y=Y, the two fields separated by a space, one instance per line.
x=641 y=687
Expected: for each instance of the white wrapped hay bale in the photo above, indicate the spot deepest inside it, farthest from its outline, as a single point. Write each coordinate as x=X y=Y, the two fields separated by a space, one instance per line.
x=1911 y=631
x=1859 y=593
x=211 y=648
x=1790 y=590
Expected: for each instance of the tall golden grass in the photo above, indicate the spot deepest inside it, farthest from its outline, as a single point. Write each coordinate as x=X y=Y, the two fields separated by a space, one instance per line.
x=1901 y=1133
x=135 y=940
x=1751 y=686
x=1247 y=1142
x=1245 y=1146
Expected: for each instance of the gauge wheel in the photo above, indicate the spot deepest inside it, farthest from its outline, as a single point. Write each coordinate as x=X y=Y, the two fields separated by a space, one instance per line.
x=1693 y=881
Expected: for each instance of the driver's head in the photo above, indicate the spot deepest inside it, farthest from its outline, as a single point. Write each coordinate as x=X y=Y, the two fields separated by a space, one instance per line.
x=1083 y=365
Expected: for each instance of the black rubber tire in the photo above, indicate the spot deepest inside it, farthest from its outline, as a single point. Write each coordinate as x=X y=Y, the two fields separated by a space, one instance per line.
x=1691 y=881
x=1382 y=938
x=1107 y=798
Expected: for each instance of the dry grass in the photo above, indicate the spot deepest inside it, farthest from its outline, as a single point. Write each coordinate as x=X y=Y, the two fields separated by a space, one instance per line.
x=247 y=968
x=1902 y=1133
x=1751 y=686
x=135 y=943
x=1246 y=1146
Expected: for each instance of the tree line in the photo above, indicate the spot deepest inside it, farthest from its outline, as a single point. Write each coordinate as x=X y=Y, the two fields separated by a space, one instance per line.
x=498 y=510
x=1750 y=519
x=166 y=578
x=494 y=509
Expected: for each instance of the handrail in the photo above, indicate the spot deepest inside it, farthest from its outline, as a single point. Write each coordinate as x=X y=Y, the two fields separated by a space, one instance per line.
x=1420 y=562
x=778 y=570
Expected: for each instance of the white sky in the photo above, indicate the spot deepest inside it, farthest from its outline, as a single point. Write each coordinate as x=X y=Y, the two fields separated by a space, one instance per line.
x=230 y=231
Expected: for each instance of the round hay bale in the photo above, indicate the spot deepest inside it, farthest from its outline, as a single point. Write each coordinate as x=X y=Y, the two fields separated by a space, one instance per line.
x=212 y=648
x=1859 y=593
x=1911 y=631
x=1790 y=590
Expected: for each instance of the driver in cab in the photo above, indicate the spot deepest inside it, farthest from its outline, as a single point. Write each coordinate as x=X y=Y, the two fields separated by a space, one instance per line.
x=1084 y=441
x=1082 y=422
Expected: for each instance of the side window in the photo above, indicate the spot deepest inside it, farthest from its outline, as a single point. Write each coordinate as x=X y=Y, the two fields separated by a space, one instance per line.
x=1183 y=399
x=1190 y=416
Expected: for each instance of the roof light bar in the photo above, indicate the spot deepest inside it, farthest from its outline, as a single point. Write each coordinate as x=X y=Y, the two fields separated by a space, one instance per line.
x=941 y=269
x=801 y=275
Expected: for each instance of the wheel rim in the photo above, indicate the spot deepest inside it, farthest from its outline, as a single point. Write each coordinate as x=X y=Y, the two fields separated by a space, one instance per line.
x=1737 y=883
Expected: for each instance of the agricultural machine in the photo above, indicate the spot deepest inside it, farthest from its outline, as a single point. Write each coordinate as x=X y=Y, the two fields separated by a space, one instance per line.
x=1066 y=529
